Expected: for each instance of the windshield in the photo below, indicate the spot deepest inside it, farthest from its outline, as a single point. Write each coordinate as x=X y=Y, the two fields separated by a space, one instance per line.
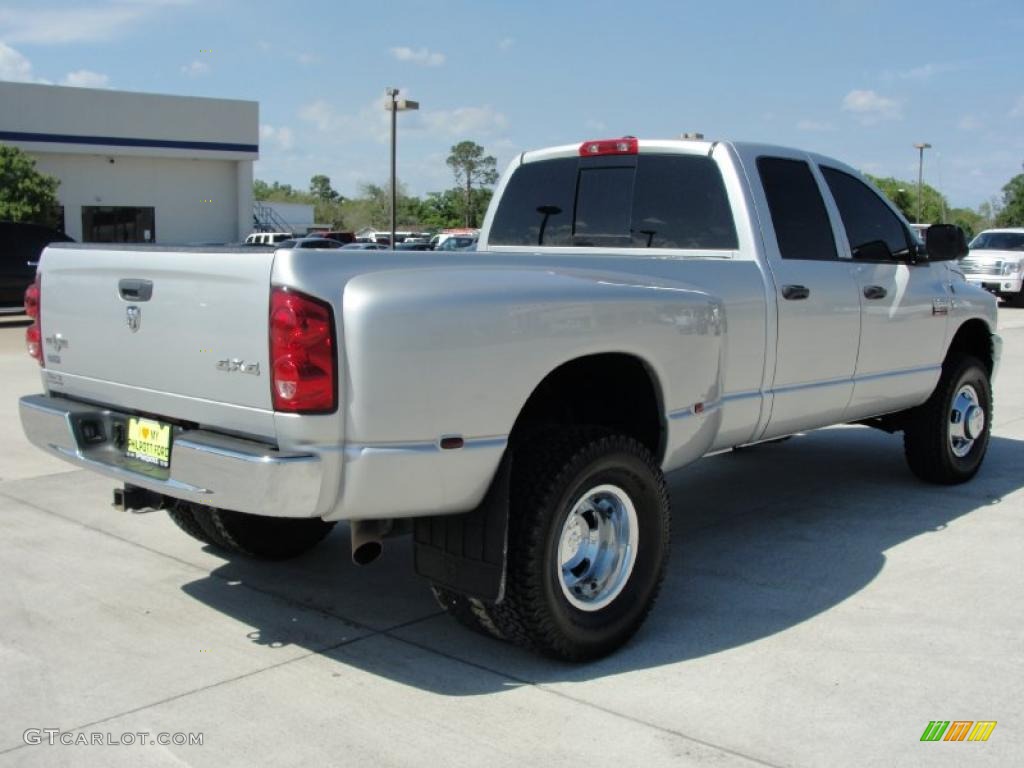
x=998 y=241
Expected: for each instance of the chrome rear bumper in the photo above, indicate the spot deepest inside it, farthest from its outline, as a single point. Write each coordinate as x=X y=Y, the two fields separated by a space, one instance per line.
x=205 y=467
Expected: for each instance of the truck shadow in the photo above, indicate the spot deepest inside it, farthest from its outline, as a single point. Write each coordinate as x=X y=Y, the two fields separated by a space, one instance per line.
x=766 y=538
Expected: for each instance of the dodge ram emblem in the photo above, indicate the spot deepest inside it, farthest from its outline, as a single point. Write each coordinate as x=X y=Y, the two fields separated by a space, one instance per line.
x=134 y=318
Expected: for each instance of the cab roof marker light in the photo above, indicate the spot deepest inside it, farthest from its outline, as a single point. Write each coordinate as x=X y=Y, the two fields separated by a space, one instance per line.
x=627 y=145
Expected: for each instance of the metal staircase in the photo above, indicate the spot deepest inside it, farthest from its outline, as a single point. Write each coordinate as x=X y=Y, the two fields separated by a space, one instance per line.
x=266 y=219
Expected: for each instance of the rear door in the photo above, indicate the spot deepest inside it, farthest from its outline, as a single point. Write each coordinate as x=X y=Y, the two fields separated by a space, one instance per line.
x=905 y=306
x=816 y=294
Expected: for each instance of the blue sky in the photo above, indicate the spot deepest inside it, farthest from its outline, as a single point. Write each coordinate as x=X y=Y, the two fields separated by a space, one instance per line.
x=862 y=80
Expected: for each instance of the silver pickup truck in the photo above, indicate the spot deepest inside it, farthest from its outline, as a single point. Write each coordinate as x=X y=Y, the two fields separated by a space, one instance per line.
x=632 y=307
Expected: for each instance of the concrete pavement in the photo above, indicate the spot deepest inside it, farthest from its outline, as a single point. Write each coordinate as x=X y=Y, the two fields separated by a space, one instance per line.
x=822 y=606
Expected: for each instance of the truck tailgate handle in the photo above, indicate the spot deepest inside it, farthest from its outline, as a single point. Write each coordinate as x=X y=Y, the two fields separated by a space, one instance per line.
x=874 y=292
x=795 y=292
x=135 y=290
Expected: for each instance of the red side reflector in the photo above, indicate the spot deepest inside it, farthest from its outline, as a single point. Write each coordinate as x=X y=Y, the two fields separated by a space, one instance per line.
x=302 y=359
x=32 y=300
x=34 y=333
x=627 y=146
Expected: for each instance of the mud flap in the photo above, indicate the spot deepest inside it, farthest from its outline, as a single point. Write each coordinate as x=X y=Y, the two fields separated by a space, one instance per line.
x=466 y=553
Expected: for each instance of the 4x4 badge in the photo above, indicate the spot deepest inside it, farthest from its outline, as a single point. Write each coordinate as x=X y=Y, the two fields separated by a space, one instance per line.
x=134 y=318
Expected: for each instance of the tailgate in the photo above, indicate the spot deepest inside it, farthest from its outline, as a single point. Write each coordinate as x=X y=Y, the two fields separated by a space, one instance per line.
x=179 y=333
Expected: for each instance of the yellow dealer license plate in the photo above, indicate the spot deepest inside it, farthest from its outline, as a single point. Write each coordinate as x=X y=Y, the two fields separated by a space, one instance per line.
x=149 y=441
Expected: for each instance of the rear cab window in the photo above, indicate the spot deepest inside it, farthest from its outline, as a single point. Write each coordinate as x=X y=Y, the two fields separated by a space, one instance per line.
x=643 y=201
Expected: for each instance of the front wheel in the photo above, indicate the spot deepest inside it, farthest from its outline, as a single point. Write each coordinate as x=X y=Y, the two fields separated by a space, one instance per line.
x=946 y=438
x=588 y=544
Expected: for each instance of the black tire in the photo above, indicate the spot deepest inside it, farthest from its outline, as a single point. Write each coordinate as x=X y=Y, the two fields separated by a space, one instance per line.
x=181 y=513
x=926 y=439
x=549 y=475
x=257 y=536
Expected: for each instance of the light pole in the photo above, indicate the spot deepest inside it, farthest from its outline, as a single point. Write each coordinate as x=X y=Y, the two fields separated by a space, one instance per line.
x=920 y=175
x=395 y=105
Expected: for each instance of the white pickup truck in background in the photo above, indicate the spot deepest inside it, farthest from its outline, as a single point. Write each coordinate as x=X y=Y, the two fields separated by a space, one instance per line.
x=995 y=262
x=632 y=306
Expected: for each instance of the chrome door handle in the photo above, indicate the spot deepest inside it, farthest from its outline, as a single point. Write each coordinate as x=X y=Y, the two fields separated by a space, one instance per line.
x=31 y=263
x=795 y=292
x=874 y=292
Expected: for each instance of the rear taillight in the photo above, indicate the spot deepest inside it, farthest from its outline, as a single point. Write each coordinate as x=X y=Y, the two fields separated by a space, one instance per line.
x=34 y=334
x=302 y=355
x=624 y=146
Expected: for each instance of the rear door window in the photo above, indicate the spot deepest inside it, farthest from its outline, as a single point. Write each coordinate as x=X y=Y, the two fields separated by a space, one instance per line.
x=646 y=201
x=802 y=227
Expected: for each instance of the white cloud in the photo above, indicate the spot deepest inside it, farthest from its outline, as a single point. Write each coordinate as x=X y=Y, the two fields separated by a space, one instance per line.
x=14 y=66
x=281 y=136
x=970 y=123
x=320 y=113
x=196 y=69
x=814 y=125
x=85 y=78
x=465 y=121
x=869 y=107
x=506 y=43
x=93 y=23
x=923 y=72
x=421 y=56
x=371 y=122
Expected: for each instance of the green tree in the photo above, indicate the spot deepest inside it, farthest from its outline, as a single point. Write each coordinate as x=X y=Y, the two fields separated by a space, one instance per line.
x=903 y=194
x=25 y=193
x=1012 y=212
x=470 y=167
x=320 y=187
x=372 y=208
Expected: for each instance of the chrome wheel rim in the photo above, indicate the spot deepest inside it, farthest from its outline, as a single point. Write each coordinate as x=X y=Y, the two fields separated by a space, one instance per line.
x=966 y=421
x=597 y=547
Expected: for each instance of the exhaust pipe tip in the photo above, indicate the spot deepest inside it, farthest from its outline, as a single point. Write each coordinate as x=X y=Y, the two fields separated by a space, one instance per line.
x=366 y=553
x=367 y=538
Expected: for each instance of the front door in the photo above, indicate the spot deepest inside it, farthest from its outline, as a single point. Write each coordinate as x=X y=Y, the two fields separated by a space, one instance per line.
x=903 y=330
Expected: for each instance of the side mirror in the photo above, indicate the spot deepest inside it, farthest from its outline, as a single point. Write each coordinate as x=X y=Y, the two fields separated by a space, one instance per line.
x=945 y=242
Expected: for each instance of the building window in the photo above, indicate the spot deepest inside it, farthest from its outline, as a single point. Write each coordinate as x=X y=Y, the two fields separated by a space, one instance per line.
x=109 y=224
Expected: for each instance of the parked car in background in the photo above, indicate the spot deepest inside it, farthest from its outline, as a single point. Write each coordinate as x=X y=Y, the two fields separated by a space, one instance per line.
x=457 y=243
x=268 y=238
x=309 y=242
x=409 y=246
x=20 y=246
x=341 y=237
x=436 y=241
x=364 y=247
x=996 y=262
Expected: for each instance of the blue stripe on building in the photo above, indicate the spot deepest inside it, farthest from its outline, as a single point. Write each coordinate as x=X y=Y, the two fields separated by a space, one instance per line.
x=119 y=141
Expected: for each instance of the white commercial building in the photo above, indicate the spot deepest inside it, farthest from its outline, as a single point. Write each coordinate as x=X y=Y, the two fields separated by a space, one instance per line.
x=139 y=167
